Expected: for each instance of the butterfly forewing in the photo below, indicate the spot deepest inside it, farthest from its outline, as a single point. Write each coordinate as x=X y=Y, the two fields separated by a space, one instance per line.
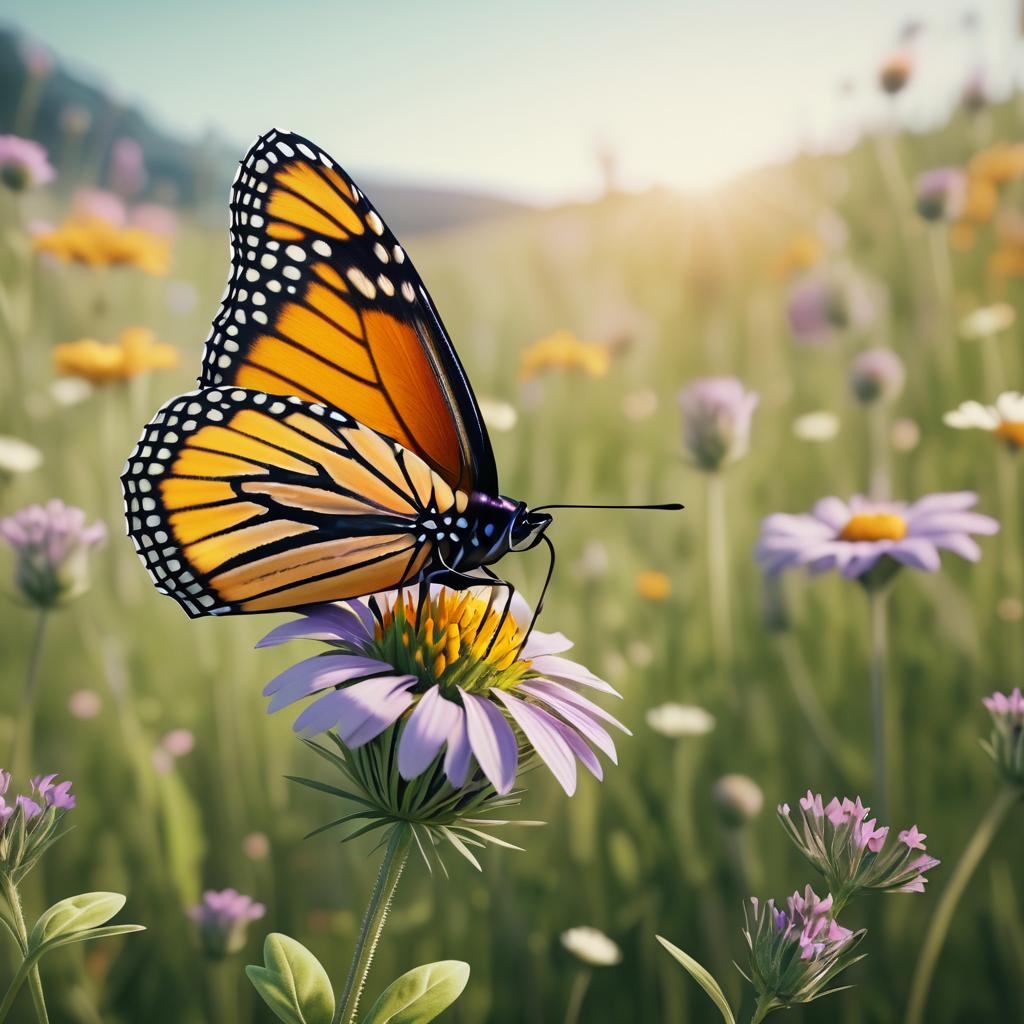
x=324 y=304
x=243 y=501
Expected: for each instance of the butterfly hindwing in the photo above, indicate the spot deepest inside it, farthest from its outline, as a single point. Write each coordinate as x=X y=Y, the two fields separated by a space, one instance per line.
x=324 y=304
x=243 y=501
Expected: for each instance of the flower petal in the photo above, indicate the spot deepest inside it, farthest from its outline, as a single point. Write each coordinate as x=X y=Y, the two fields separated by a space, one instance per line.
x=539 y=728
x=325 y=622
x=552 y=691
x=459 y=753
x=918 y=553
x=492 y=740
x=428 y=727
x=540 y=644
x=318 y=673
x=563 y=668
x=359 y=712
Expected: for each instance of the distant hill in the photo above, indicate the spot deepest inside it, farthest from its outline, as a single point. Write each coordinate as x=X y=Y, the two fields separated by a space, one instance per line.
x=195 y=172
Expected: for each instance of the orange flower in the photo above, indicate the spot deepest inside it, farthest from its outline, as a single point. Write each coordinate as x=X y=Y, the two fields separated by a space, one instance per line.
x=98 y=243
x=564 y=351
x=135 y=352
x=982 y=200
x=999 y=163
x=653 y=585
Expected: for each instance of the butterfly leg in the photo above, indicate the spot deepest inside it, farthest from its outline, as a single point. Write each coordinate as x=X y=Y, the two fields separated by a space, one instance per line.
x=449 y=577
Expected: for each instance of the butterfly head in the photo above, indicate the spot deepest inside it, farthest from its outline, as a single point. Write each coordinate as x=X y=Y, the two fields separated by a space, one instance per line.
x=527 y=528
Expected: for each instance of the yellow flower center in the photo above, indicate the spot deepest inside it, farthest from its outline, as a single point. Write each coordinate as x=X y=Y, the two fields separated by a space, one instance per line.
x=875 y=526
x=458 y=639
x=1010 y=432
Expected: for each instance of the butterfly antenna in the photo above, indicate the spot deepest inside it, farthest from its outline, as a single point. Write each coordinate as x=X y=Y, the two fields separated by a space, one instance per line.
x=673 y=506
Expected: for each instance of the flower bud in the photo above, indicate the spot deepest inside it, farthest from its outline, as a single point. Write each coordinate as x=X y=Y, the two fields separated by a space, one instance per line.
x=679 y=720
x=738 y=797
x=895 y=72
x=591 y=946
x=1006 y=744
x=222 y=921
x=877 y=374
x=941 y=194
x=828 y=303
x=716 y=420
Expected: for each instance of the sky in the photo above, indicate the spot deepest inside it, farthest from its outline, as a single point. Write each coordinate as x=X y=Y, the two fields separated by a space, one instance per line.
x=517 y=98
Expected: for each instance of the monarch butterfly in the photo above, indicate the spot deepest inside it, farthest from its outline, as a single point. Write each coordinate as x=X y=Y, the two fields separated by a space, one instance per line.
x=333 y=447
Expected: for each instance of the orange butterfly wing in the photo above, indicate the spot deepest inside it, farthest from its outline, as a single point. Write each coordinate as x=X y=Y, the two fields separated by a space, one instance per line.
x=324 y=304
x=240 y=501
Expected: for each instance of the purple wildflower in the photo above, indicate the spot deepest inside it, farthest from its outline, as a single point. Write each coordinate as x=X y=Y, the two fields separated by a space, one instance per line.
x=941 y=194
x=716 y=420
x=877 y=373
x=796 y=952
x=222 y=919
x=851 y=851
x=456 y=678
x=52 y=542
x=853 y=537
x=827 y=303
x=29 y=823
x=127 y=168
x=1006 y=744
x=24 y=164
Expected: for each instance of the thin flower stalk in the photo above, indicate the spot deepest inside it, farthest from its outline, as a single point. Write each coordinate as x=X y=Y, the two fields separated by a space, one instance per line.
x=938 y=928
x=396 y=854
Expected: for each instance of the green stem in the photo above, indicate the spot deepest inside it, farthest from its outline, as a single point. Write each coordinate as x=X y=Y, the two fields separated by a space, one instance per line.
x=373 y=923
x=938 y=927
x=765 y=1004
x=718 y=581
x=880 y=485
x=35 y=983
x=799 y=678
x=576 y=996
x=877 y=600
x=22 y=742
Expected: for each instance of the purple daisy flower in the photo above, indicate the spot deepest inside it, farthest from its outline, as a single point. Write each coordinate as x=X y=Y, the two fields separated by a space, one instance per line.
x=223 y=918
x=853 y=537
x=455 y=676
x=24 y=164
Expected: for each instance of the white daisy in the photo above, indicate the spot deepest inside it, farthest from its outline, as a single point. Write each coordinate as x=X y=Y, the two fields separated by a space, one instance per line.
x=1005 y=418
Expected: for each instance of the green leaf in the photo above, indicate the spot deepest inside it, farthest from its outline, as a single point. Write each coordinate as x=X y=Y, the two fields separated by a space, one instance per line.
x=702 y=977
x=75 y=914
x=292 y=982
x=421 y=994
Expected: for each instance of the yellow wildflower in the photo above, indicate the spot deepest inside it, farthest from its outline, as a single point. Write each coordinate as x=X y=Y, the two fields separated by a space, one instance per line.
x=96 y=242
x=801 y=252
x=564 y=351
x=653 y=585
x=135 y=352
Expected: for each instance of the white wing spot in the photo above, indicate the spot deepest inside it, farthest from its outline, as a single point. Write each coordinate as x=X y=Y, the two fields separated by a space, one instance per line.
x=376 y=224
